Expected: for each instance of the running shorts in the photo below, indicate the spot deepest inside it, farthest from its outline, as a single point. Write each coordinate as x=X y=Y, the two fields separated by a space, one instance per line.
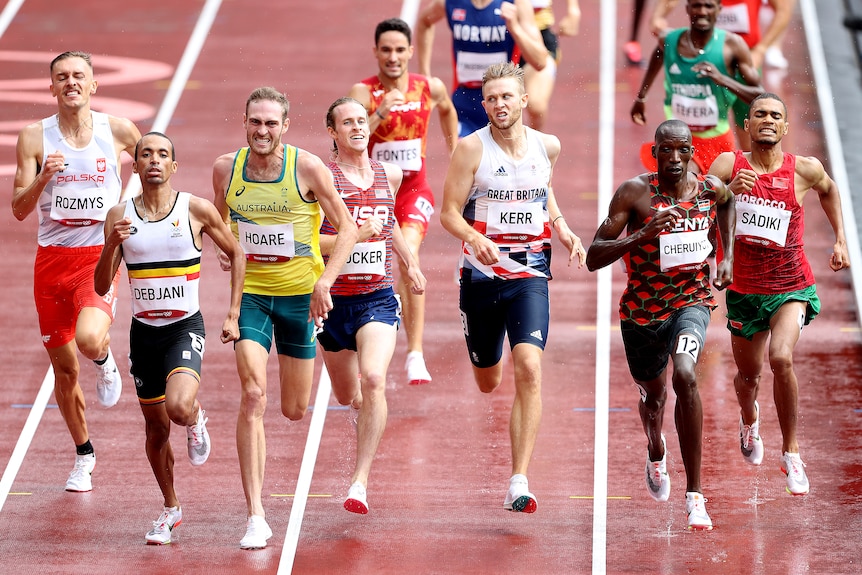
x=748 y=314
x=158 y=352
x=414 y=203
x=63 y=286
x=648 y=347
x=352 y=312
x=706 y=150
x=285 y=318
x=519 y=308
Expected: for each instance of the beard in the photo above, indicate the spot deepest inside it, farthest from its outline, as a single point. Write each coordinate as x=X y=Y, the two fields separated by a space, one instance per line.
x=765 y=141
x=510 y=121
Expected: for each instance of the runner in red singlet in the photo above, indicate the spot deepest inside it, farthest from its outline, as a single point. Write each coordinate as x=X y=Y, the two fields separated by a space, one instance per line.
x=399 y=106
x=766 y=311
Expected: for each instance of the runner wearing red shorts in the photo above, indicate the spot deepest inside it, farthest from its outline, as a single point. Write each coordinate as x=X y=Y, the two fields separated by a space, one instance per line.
x=399 y=106
x=68 y=171
x=740 y=17
x=705 y=70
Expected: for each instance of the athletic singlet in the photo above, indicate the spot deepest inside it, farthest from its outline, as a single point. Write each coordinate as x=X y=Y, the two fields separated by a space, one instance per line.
x=479 y=39
x=508 y=203
x=544 y=13
x=369 y=267
x=695 y=99
x=277 y=229
x=400 y=139
x=769 y=227
x=671 y=272
x=741 y=17
x=164 y=265
x=74 y=204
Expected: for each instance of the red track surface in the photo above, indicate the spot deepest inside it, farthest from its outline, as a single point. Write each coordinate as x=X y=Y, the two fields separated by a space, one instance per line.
x=437 y=485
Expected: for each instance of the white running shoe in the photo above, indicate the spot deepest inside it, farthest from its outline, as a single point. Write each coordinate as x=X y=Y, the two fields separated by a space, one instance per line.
x=357 y=499
x=163 y=527
x=80 y=479
x=257 y=531
x=417 y=373
x=695 y=508
x=109 y=384
x=750 y=442
x=794 y=468
x=774 y=58
x=198 y=439
x=657 y=479
x=519 y=498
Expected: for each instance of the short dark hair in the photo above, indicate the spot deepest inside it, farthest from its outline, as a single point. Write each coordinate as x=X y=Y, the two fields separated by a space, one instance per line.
x=767 y=96
x=669 y=126
x=85 y=56
x=393 y=25
x=138 y=145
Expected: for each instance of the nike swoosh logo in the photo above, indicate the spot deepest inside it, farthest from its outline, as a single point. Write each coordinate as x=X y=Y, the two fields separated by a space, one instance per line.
x=348 y=194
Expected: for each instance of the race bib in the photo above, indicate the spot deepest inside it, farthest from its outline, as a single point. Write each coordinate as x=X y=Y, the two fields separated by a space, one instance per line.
x=470 y=66
x=367 y=263
x=159 y=298
x=764 y=225
x=680 y=249
x=267 y=244
x=734 y=19
x=407 y=154
x=515 y=221
x=78 y=207
x=700 y=114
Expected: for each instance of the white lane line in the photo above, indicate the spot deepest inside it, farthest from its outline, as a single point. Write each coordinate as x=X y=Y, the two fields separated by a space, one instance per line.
x=27 y=433
x=832 y=135
x=409 y=12
x=607 y=100
x=163 y=118
x=306 y=471
x=180 y=79
x=8 y=14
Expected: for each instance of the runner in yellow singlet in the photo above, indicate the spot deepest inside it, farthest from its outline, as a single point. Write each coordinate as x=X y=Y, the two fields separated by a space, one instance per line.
x=272 y=195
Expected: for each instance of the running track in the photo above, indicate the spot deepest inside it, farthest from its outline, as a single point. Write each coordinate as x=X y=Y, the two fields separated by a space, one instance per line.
x=436 y=489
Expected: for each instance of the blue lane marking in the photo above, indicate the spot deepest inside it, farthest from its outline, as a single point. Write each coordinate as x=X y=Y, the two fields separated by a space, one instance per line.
x=30 y=406
x=332 y=408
